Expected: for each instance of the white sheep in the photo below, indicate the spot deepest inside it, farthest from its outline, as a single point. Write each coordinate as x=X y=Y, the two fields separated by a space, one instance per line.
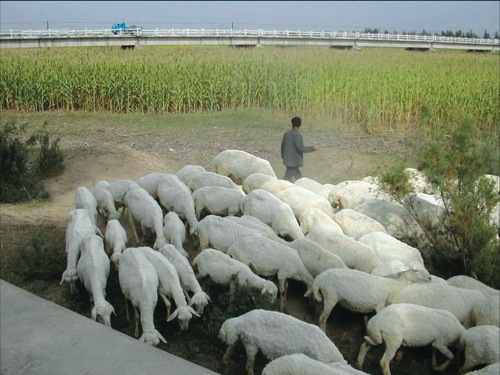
x=302 y=364
x=186 y=173
x=418 y=181
x=277 y=185
x=219 y=233
x=347 y=192
x=325 y=191
x=428 y=209
x=275 y=335
x=254 y=223
x=187 y=278
x=150 y=183
x=311 y=217
x=217 y=200
x=411 y=325
x=210 y=179
x=86 y=200
x=392 y=267
x=269 y=258
x=439 y=296
x=169 y=286
x=388 y=248
x=79 y=226
x=255 y=181
x=221 y=268
x=361 y=292
x=105 y=201
x=481 y=346
x=467 y=282
x=273 y=212
x=487 y=312
x=139 y=284
x=355 y=254
x=238 y=165
x=175 y=196
x=119 y=188
x=355 y=224
x=93 y=271
x=315 y=257
x=300 y=199
x=144 y=209
x=175 y=231
x=116 y=238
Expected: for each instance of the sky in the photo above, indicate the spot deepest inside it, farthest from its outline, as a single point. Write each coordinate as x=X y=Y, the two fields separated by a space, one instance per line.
x=433 y=16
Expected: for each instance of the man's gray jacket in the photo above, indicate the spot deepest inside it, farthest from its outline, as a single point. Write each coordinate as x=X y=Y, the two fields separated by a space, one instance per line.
x=292 y=148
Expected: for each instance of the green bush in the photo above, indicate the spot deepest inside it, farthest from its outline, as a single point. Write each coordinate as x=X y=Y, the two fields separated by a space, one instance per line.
x=25 y=162
x=465 y=242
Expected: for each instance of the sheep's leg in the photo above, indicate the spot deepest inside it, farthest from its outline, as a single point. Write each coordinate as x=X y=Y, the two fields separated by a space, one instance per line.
x=446 y=352
x=167 y=304
x=137 y=317
x=362 y=353
x=251 y=351
x=132 y=224
x=127 y=314
x=392 y=344
x=328 y=306
x=228 y=354
x=282 y=290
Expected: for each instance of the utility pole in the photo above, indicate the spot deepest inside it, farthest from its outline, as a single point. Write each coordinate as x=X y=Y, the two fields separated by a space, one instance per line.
x=47 y=25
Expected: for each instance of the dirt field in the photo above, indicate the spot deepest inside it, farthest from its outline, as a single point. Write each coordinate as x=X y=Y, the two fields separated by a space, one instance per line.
x=112 y=154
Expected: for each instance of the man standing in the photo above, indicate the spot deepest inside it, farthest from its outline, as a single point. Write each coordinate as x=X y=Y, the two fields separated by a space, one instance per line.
x=292 y=150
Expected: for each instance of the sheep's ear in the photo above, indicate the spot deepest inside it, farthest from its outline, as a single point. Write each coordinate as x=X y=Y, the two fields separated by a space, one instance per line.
x=172 y=316
x=208 y=297
x=412 y=266
x=113 y=309
x=308 y=293
x=93 y=314
x=62 y=279
x=193 y=312
x=141 y=339
x=162 y=338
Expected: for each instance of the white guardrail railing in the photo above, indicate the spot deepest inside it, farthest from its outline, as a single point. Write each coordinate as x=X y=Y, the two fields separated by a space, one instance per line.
x=108 y=33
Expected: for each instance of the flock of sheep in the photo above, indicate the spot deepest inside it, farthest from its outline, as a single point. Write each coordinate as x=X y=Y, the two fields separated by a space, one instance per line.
x=341 y=241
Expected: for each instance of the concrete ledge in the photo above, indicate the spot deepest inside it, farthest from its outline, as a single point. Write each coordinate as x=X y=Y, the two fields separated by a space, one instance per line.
x=39 y=337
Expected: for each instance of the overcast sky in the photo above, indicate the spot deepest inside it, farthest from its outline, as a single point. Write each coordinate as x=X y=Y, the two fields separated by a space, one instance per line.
x=432 y=16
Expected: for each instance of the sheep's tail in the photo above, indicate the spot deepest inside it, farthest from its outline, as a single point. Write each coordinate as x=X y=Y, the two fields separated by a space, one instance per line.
x=317 y=293
x=374 y=338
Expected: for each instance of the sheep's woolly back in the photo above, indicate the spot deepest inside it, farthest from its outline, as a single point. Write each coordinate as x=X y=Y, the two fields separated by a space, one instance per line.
x=278 y=334
x=217 y=200
x=387 y=248
x=467 y=282
x=487 y=312
x=238 y=165
x=312 y=217
x=315 y=257
x=188 y=172
x=355 y=224
x=300 y=199
x=481 y=346
x=299 y=363
x=255 y=181
x=210 y=179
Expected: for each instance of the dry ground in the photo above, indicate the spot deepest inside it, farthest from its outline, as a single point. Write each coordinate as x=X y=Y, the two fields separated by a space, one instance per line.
x=111 y=154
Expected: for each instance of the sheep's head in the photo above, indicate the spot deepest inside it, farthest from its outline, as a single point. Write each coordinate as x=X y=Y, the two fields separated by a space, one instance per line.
x=415 y=272
x=115 y=258
x=102 y=313
x=152 y=337
x=183 y=315
x=270 y=290
x=160 y=242
x=200 y=300
x=70 y=276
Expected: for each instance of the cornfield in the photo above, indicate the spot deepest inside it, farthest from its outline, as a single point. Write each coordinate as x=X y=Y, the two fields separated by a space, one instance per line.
x=375 y=88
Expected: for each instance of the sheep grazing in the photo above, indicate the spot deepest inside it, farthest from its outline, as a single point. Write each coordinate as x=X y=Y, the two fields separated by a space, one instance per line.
x=429 y=210
x=486 y=312
x=221 y=268
x=439 y=296
x=139 y=284
x=324 y=191
x=316 y=258
x=175 y=196
x=150 y=183
x=481 y=346
x=144 y=209
x=275 y=335
x=272 y=211
x=220 y=233
x=355 y=224
x=255 y=181
x=254 y=223
x=105 y=201
x=116 y=238
x=411 y=325
x=299 y=363
x=388 y=248
x=418 y=181
x=216 y=200
x=79 y=226
x=355 y=254
x=211 y=179
x=347 y=192
x=169 y=286
x=268 y=258
x=300 y=199
x=188 y=172
x=360 y=292
x=467 y=282
x=119 y=188
x=93 y=271
x=238 y=165
x=86 y=200
x=187 y=278
x=312 y=217
x=277 y=185
x=175 y=231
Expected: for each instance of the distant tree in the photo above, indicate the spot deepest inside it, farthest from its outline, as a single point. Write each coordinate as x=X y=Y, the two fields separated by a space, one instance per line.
x=470 y=34
x=458 y=33
x=486 y=34
x=386 y=31
x=496 y=36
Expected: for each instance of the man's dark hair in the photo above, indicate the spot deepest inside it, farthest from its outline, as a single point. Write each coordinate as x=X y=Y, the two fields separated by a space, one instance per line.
x=296 y=121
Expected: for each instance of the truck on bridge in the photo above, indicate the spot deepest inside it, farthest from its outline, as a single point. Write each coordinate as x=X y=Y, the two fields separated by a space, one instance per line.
x=122 y=29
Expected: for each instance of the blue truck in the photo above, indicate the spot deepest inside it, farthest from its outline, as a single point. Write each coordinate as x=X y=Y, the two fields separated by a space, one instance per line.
x=122 y=29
